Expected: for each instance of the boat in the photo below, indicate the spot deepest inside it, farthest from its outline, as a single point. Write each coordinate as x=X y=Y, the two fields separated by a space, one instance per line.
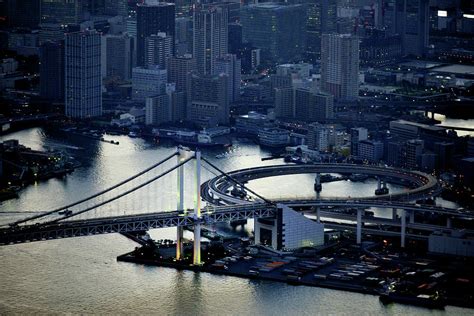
x=434 y=302
x=65 y=212
x=133 y=134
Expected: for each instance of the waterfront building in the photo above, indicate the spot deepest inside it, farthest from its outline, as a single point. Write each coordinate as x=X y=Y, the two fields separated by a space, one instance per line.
x=52 y=71
x=277 y=29
x=311 y=106
x=273 y=137
x=252 y=122
x=357 y=135
x=318 y=137
x=83 y=81
x=117 y=55
x=210 y=37
x=284 y=105
x=153 y=18
x=340 y=66
x=147 y=82
x=370 y=150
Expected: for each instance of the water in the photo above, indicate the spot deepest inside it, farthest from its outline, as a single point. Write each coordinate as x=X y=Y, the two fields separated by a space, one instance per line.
x=82 y=276
x=448 y=121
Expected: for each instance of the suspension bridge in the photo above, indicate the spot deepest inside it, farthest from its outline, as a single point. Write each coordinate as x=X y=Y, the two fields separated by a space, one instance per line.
x=108 y=211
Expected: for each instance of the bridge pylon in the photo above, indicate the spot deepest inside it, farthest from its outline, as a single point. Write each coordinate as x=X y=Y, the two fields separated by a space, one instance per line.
x=180 y=206
x=197 y=210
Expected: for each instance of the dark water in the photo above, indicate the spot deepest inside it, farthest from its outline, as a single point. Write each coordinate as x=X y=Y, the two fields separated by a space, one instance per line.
x=81 y=275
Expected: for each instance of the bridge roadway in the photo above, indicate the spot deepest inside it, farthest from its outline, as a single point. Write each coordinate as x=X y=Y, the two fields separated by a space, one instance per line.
x=216 y=189
x=210 y=214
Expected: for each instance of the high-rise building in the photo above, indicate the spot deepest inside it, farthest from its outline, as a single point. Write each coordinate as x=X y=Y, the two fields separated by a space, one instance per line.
x=229 y=65
x=83 y=85
x=414 y=150
x=370 y=150
x=117 y=54
x=179 y=72
x=165 y=107
x=318 y=137
x=151 y=19
x=284 y=105
x=210 y=36
x=23 y=13
x=184 y=36
x=116 y=7
x=321 y=18
x=61 y=11
x=312 y=106
x=209 y=104
x=340 y=66
x=148 y=82
x=277 y=29
x=357 y=135
x=158 y=48
x=52 y=71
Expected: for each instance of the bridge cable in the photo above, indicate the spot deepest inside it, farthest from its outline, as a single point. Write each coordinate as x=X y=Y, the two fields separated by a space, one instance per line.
x=124 y=193
x=236 y=181
x=96 y=194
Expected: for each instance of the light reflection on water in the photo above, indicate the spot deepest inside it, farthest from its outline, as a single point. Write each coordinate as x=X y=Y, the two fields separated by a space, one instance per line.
x=81 y=275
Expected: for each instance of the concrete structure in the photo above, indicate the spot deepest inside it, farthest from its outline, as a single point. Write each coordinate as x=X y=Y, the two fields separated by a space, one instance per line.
x=357 y=134
x=321 y=18
x=340 y=66
x=61 y=12
x=289 y=230
x=179 y=71
x=169 y=107
x=210 y=37
x=277 y=29
x=117 y=56
x=158 y=48
x=151 y=19
x=457 y=244
x=52 y=71
x=147 y=82
x=83 y=85
x=229 y=65
x=370 y=150
x=318 y=137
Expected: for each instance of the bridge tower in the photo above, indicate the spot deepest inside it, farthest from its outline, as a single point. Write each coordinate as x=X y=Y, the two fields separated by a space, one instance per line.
x=180 y=206
x=197 y=211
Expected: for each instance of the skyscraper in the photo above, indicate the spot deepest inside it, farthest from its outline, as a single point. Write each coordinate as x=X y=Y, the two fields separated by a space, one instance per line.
x=52 y=71
x=321 y=18
x=117 y=53
x=210 y=36
x=61 y=11
x=179 y=70
x=147 y=82
x=340 y=66
x=158 y=48
x=229 y=65
x=152 y=19
x=83 y=75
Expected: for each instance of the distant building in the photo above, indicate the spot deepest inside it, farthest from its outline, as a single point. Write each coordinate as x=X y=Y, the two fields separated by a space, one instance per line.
x=148 y=82
x=318 y=137
x=151 y=19
x=414 y=152
x=321 y=18
x=277 y=29
x=23 y=13
x=312 y=106
x=252 y=122
x=229 y=65
x=179 y=71
x=52 y=71
x=370 y=150
x=117 y=55
x=61 y=12
x=357 y=135
x=158 y=48
x=210 y=37
x=340 y=66
x=83 y=85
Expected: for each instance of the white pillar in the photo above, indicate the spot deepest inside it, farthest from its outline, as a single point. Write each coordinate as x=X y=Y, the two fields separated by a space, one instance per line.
x=180 y=205
x=318 y=215
x=403 y=228
x=197 y=211
x=359 y=226
x=256 y=231
x=448 y=222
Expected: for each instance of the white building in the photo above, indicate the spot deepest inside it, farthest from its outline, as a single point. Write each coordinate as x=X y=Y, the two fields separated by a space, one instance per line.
x=83 y=85
x=340 y=66
x=318 y=137
x=147 y=82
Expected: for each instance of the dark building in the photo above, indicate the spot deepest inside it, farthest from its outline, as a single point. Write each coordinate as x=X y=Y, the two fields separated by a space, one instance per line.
x=52 y=71
x=379 y=48
x=152 y=19
x=23 y=13
x=321 y=18
x=235 y=37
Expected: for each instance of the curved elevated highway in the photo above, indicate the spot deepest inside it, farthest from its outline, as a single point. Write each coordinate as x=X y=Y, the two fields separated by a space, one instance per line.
x=421 y=185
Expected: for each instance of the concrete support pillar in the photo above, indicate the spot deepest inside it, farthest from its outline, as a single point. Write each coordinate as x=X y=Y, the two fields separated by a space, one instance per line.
x=412 y=217
x=379 y=183
x=317 y=183
x=197 y=212
x=394 y=213
x=403 y=228
x=359 y=226
x=318 y=214
x=448 y=222
x=180 y=205
x=256 y=231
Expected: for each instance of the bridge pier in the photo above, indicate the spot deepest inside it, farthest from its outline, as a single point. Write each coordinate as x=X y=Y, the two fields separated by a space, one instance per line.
x=394 y=213
x=403 y=228
x=412 y=217
x=318 y=214
x=448 y=222
x=317 y=183
x=180 y=189
x=197 y=212
x=359 y=226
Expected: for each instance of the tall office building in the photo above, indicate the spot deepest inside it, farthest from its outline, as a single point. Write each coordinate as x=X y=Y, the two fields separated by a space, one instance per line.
x=318 y=137
x=284 y=105
x=116 y=7
x=148 y=82
x=210 y=36
x=151 y=19
x=52 y=71
x=279 y=30
x=229 y=65
x=340 y=66
x=311 y=106
x=209 y=104
x=321 y=18
x=83 y=94
x=117 y=54
x=179 y=71
x=158 y=48
x=61 y=11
